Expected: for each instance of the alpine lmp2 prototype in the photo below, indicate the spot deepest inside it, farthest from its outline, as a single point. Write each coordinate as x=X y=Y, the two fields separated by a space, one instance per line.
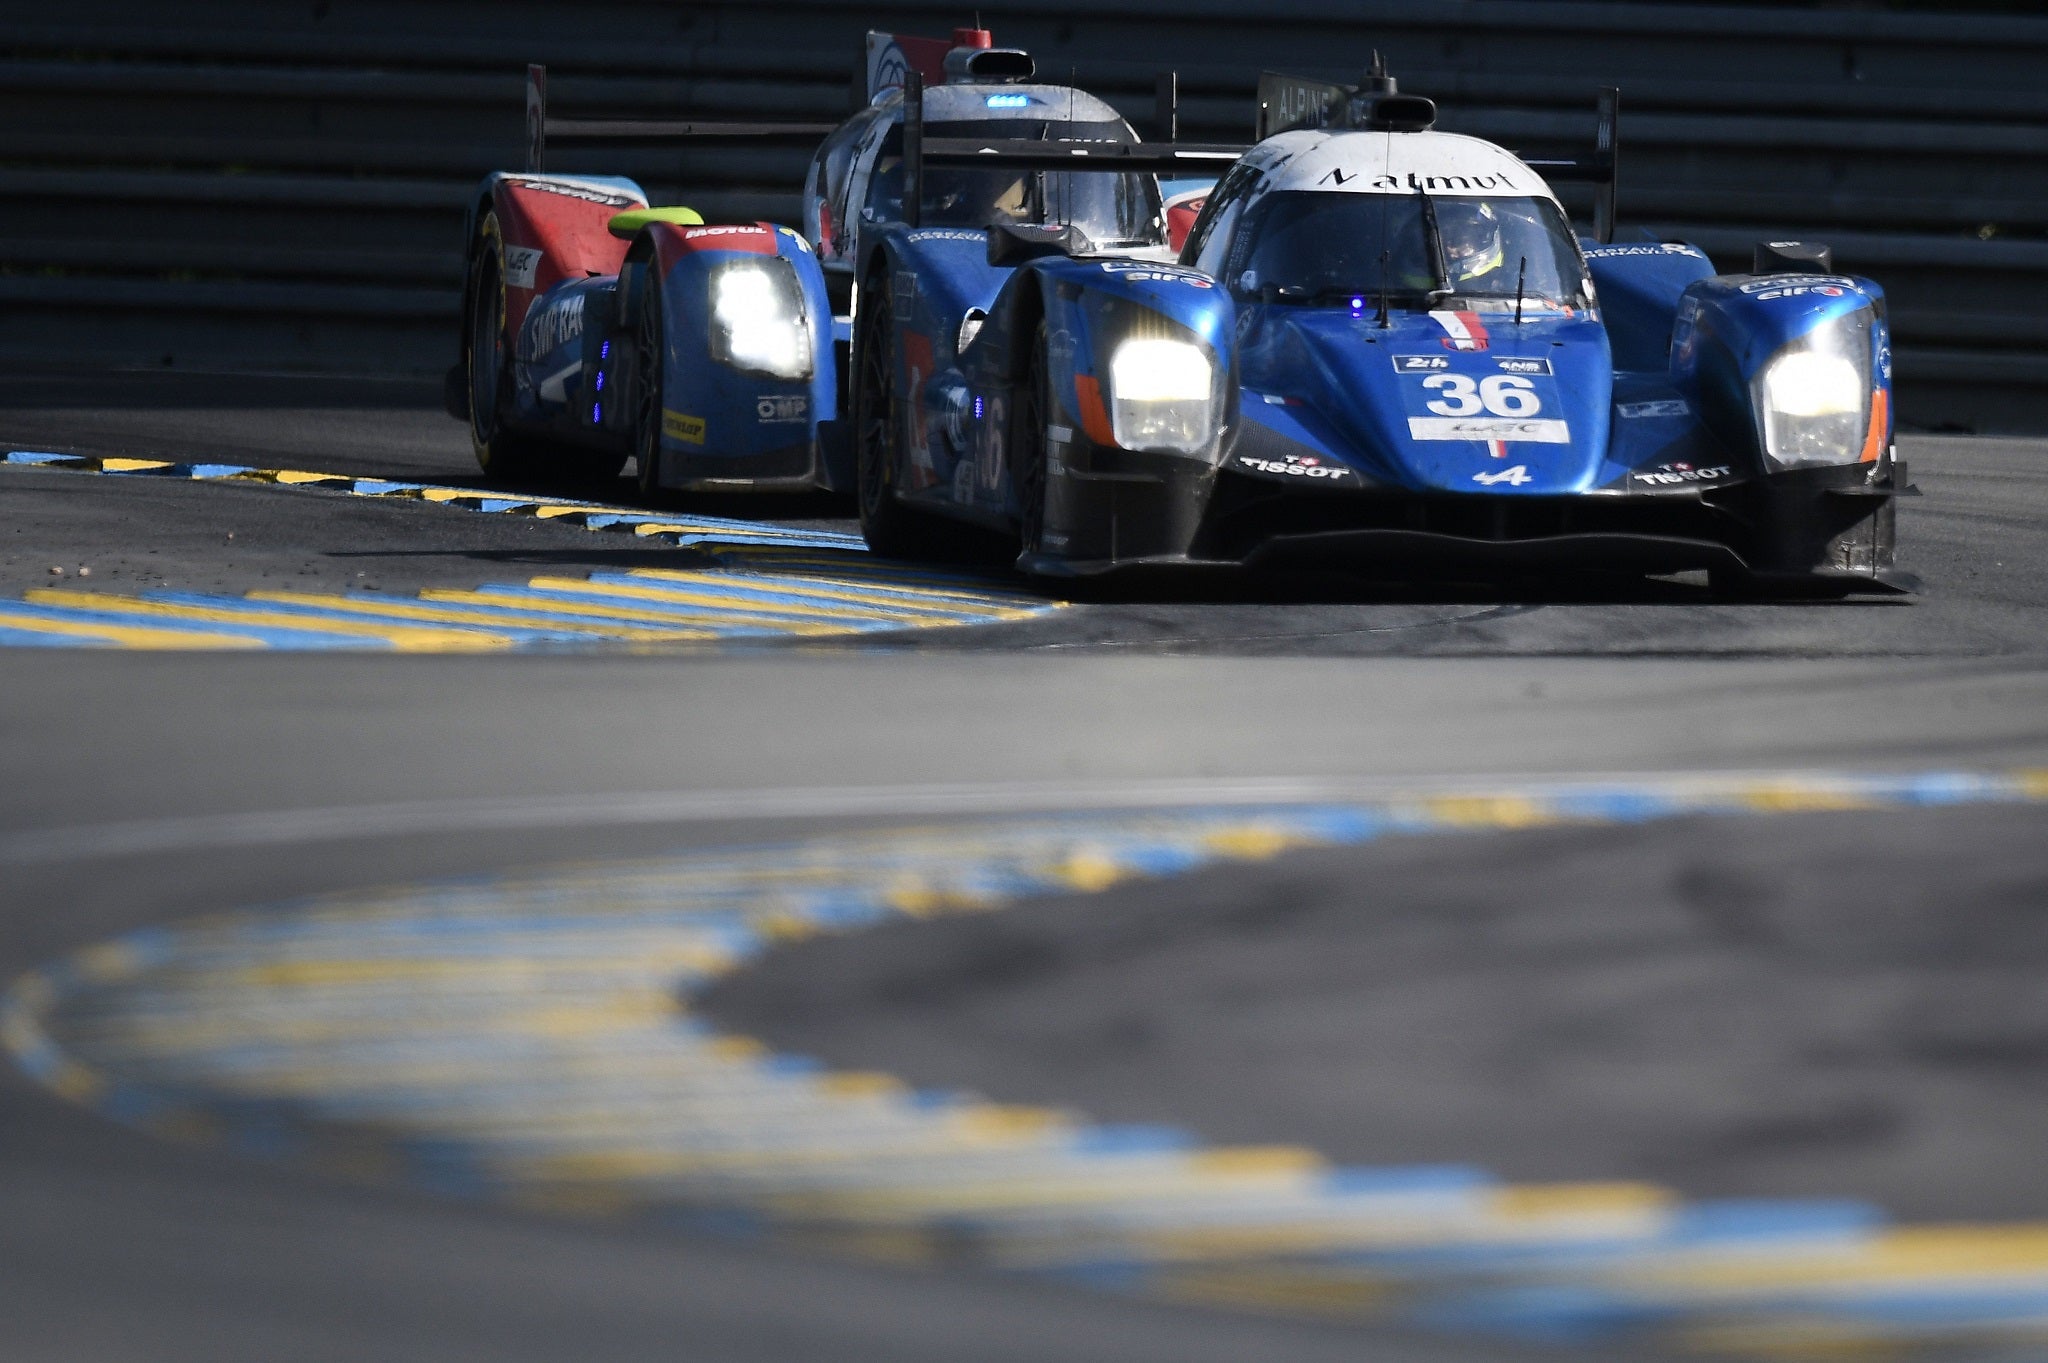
x=599 y=328
x=1380 y=346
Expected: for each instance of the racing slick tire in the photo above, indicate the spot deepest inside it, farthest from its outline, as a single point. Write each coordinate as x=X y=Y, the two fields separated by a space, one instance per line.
x=891 y=528
x=1027 y=453
x=648 y=339
x=500 y=453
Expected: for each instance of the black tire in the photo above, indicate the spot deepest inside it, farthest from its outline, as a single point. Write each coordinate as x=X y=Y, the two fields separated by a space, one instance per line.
x=889 y=527
x=648 y=340
x=501 y=454
x=1027 y=449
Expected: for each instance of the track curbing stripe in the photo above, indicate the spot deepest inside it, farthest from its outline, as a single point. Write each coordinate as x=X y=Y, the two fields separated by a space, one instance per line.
x=519 y=1038
x=761 y=581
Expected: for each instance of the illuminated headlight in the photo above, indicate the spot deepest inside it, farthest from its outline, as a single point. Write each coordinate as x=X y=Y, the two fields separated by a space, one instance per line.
x=1813 y=398
x=1162 y=395
x=757 y=320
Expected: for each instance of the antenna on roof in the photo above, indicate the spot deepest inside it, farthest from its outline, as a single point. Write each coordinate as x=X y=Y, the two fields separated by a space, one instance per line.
x=1377 y=81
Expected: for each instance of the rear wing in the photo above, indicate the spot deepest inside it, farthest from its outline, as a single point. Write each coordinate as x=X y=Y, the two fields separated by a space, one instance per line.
x=919 y=151
x=541 y=127
x=1602 y=168
x=1290 y=102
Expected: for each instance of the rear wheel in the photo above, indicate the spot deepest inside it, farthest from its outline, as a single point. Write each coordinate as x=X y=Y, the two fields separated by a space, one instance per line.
x=888 y=526
x=499 y=453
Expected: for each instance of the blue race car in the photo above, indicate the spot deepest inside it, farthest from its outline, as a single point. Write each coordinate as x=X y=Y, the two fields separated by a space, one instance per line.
x=598 y=328
x=1381 y=347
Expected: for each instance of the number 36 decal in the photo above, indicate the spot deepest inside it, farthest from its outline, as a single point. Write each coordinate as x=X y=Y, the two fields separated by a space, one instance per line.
x=1496 y=394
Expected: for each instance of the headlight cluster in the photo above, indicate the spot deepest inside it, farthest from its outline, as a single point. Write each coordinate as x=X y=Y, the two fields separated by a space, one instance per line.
x=1162 y=395
x=1813 y=397
x=757 y=319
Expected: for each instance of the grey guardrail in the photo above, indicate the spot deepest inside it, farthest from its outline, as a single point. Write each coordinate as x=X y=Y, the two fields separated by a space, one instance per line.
x=303 y=179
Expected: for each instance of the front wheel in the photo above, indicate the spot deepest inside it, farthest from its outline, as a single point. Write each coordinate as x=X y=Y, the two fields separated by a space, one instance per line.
x=499 y=453
x=648 y=340
x=1027 y=451
x=888 y=526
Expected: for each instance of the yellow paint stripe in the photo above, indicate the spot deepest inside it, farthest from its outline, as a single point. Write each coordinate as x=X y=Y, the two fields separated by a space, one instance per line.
x=1918 y=1253
x=1468 y=811
x=826 y=609
x=454 y=615
x=713 y=620
x=940 y=603
x=127 y=636
x=132 y=465
x=725 y=607
x=399 y=636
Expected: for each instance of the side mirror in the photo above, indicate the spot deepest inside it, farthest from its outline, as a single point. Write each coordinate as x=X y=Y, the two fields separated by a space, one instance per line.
x=1015 y=243
x=1793 y=257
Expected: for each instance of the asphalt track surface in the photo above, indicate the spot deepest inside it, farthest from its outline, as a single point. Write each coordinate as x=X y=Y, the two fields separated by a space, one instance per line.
x=1806 y=1005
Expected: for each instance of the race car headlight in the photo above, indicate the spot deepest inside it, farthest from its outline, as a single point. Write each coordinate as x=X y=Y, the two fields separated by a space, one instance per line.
x=1813 y=397
x=757 y=320
x=1162 y=395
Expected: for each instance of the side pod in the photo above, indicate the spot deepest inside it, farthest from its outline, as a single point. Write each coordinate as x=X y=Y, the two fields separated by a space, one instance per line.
x=749 y=393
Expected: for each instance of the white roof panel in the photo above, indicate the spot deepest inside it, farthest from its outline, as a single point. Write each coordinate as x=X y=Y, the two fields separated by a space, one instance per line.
x=1392 y=163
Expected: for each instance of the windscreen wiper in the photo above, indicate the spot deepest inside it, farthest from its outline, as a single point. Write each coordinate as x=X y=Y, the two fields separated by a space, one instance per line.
x=1439 y=269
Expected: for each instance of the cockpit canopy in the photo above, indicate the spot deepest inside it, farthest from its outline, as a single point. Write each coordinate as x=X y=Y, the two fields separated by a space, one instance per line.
x=1314 y=247
x=858 y=174
x=1109 y=209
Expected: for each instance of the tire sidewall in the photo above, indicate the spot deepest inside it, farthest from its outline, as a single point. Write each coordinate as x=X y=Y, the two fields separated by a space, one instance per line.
x=875 y=472
x=1031 y=475
x=650 y=363
x=485 y=373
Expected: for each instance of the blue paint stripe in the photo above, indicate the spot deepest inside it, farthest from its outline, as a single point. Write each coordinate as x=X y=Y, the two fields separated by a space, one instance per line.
x=1427 y=1178
x=715 y=540
x=1751 y=1219
x=23 y=638
x=278 y=636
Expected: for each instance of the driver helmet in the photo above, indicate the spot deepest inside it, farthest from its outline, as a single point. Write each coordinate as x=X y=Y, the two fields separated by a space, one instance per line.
x=974 y=197
x=1471 y=237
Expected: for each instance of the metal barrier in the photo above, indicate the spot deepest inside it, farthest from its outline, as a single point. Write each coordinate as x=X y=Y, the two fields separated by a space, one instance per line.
x=253 y=185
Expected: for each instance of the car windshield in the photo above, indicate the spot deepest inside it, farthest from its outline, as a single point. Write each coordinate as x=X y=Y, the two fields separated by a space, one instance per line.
x=1112 y=209
x=1308 y=246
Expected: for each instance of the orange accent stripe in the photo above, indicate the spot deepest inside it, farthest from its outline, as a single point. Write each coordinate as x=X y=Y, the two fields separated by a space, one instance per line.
x=1873 y=444
x=1094 y=416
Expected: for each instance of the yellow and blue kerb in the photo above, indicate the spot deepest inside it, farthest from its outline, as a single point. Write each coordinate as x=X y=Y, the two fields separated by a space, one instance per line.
x=533 y=1039
x=756 y=581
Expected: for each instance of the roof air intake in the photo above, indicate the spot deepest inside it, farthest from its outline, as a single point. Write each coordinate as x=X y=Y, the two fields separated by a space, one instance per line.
x=996 y=64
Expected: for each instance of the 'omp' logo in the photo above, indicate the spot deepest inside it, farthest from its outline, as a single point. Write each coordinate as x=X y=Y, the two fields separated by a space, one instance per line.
x=688 y=429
